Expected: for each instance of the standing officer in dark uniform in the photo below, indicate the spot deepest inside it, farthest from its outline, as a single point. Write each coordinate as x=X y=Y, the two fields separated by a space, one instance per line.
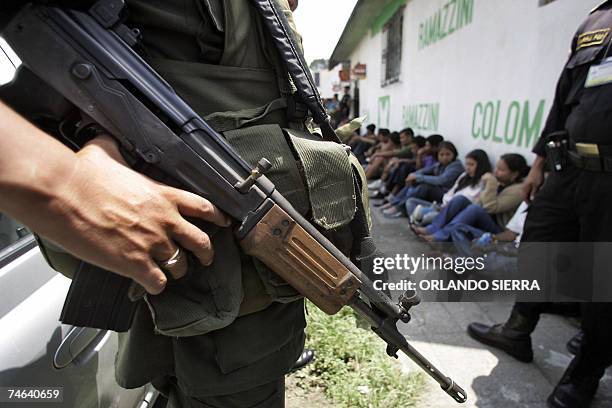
x=574 y=205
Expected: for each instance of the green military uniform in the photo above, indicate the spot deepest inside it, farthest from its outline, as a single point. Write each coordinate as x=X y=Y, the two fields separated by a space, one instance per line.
x=226 y=335
x=213 y=53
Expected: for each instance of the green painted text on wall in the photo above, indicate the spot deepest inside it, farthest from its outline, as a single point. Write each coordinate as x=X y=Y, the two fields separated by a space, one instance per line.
x=425 y=116
x=451 y=17
x=384 y=111
x=516 y=125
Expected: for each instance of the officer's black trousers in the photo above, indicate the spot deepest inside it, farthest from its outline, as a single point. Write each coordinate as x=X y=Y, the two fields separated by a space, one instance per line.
x=576 y=206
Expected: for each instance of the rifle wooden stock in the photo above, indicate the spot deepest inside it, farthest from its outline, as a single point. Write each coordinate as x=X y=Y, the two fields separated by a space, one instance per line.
x=286 y=248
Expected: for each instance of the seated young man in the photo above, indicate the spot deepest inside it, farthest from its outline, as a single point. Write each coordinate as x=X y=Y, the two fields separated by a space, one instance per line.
x=360 y=144
x=398 y=169
x=391 y=159
x=388 y=143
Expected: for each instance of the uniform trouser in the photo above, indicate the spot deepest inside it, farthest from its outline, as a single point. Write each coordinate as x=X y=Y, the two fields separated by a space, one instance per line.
x=270 y=395
x=576 y=206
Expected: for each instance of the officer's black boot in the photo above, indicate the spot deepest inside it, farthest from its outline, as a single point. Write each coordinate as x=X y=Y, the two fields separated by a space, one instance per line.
x=513 y=337
x=576 y=388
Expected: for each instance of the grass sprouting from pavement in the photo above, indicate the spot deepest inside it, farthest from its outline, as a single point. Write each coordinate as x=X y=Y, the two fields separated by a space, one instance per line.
x=352 y=366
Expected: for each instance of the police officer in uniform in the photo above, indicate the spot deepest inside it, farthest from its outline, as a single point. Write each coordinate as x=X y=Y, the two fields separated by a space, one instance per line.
x=215 y=53
x=573 y=205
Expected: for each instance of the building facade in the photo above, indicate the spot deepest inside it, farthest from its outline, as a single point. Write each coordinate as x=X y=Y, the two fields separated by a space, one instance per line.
x=480 y=72
x=327 y=81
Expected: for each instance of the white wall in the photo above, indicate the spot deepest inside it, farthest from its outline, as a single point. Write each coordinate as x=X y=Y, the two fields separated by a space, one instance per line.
x=486 y=73
x=329 y=82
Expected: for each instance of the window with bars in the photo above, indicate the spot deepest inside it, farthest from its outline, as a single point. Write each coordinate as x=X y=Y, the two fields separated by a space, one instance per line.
x=392 y=48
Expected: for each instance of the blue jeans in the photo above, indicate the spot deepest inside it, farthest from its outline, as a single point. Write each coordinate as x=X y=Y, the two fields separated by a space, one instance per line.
x=413 y=202
x=402 y=195
x=462 y=236
x=425 y=192
x=460 y=210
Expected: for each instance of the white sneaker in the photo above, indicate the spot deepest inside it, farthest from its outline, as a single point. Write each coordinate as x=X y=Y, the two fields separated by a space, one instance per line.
x=375 y=185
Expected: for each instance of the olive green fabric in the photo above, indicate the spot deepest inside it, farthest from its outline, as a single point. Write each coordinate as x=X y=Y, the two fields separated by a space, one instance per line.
x=269 y=395
x=262 y=343
x=222 y=121
x=254 y=350
x=329 y=177
x=284 y=172
x=206 y=299
x=405 y=153
x=57 y=258
x=365 y=197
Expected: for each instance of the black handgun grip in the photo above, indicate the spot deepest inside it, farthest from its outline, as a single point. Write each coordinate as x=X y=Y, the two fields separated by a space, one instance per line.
x=98 y=299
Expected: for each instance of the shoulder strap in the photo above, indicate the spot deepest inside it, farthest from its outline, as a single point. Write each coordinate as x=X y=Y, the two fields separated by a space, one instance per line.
x=284 y=40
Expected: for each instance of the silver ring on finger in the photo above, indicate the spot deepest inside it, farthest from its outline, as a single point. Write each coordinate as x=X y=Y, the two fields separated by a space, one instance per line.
x=176 y=260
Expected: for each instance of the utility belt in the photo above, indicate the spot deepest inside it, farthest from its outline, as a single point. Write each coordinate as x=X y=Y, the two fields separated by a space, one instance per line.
x=561 y=151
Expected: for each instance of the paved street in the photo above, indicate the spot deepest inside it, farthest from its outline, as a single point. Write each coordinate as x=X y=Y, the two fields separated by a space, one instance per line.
x=491 y=378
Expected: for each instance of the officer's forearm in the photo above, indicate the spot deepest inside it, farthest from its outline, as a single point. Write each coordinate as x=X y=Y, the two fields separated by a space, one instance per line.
x=32 y=166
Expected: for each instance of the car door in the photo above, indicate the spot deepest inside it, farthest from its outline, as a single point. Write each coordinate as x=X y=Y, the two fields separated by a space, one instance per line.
x=36 y=350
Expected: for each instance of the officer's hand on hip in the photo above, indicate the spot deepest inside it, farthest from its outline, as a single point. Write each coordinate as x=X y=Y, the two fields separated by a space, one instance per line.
x=534 y=179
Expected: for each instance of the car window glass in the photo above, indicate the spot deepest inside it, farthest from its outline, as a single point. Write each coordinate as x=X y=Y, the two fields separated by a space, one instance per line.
x=11 y=231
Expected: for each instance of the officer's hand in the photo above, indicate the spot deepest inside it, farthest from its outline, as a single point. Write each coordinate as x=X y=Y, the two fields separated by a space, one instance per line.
x=534 y=179
x=122 y=221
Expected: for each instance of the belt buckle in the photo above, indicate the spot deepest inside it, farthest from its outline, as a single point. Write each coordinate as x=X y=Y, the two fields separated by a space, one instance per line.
x=587 y=149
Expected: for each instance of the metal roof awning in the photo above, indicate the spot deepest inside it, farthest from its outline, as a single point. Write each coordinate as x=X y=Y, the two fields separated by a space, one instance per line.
x=367 y=14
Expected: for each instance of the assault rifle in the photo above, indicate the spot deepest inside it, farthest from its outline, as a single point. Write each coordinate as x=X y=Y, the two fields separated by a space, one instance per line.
x=88 y=58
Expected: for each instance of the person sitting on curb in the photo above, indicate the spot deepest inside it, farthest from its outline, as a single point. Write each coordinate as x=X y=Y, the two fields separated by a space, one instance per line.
x=429 y=183
x=469 y=185
x=498 y=202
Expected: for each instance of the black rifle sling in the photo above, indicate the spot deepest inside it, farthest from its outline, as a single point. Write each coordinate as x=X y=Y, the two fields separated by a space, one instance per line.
x=286 y=44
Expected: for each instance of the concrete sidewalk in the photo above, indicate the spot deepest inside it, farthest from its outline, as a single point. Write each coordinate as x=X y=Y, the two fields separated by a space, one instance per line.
x=491 y=378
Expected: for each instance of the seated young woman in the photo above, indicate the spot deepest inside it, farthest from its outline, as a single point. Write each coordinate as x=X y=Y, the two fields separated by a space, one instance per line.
x=469 y=185
x=429 y=183
x=496 y=205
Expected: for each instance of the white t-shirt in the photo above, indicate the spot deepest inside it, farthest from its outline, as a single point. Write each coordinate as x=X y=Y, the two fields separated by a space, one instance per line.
x=470 y=192
x=517 y=222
